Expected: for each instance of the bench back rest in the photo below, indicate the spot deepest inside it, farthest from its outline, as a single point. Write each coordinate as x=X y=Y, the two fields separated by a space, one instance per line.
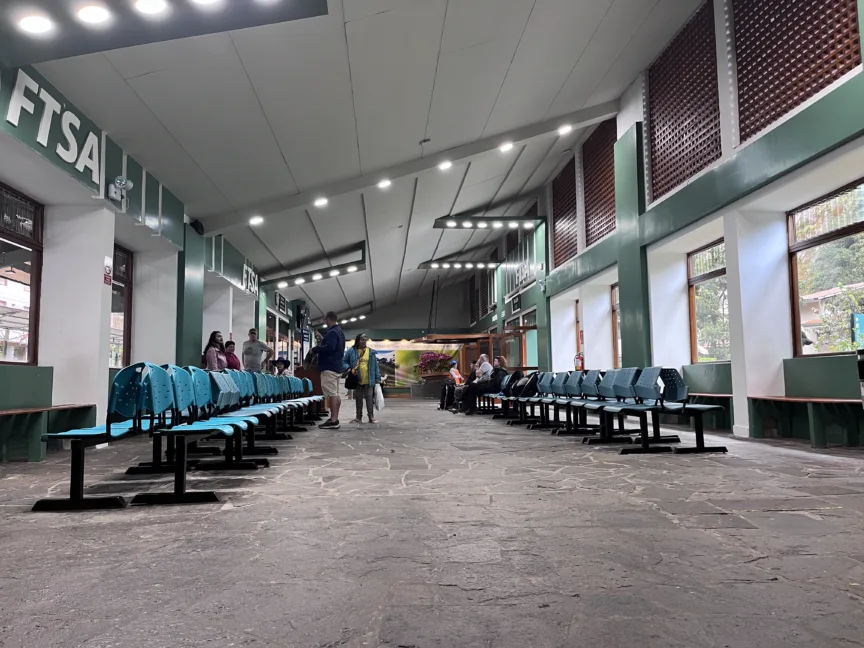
x=606 y=388
x=308 y=387
x=139 y=388
x=201 y=387
x=228 y=386
x=504 y=382
x=544 y=384
x=573 y=386
x=184 y=388
x=624 y=382
x=590 y=383
x=646 y=387
x=674 y=388
x=559 y=384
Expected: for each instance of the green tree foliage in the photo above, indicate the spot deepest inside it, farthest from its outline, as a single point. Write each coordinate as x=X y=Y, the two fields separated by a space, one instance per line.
x=712 y=320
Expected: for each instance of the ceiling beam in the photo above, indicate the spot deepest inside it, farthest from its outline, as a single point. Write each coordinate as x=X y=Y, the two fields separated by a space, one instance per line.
x=220 y=223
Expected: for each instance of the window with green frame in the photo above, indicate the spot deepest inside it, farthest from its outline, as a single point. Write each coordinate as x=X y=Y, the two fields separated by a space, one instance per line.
x=709 y=304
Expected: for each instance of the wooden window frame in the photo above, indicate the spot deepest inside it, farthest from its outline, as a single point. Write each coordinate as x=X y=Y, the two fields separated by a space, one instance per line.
x=616 y=352
x=799 y=246
x=127 y=284
x=692 y=282
x=35 y=245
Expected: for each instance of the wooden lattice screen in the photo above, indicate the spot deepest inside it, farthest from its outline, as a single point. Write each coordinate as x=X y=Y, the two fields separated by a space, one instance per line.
x=598 y=171
x=786 y=52
x=683 y=105
x=564 y=214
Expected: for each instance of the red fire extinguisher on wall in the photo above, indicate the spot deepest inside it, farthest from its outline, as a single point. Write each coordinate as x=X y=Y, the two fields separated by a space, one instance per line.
x=578 y=360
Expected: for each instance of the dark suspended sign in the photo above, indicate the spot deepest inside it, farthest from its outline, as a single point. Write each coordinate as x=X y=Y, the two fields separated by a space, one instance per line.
x=37 y=115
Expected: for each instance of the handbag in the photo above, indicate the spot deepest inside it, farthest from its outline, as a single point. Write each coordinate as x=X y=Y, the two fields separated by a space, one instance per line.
x=352 y=380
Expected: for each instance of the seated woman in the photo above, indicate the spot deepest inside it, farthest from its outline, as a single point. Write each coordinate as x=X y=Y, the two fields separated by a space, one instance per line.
x=489 y=379
x=448 y=388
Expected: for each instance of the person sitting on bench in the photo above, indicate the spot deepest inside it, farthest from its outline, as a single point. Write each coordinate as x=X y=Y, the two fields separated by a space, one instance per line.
x=459 y=390
x=488 y=381
x=449 y=387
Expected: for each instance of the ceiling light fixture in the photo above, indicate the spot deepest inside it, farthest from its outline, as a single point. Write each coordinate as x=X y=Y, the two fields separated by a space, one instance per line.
x=345 y=321
x=353 y=319
x=481 y=265
x=528 y=225
x=256 y=220
x=362 y=317
x=446 y=164
x=469 y=265
x=334 y=273
x=458 y=266
x=446 y=265
x=151 y=7
x=566 y=129
x=467 y=224
x=36 y=24
x=94 y=14
x=506 y=146
x=384 y=184
x=451 y=223
x=352 y=268
x=435 y=266
x=497 y=224
x=282 y=284
x=482 y=225
x=299 y=282
x=321 y=202
x=513 y=225
x=317 y=276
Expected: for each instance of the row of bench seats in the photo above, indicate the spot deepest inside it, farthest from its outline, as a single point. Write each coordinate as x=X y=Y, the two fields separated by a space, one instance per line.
x=184 y=406
x=613 y=394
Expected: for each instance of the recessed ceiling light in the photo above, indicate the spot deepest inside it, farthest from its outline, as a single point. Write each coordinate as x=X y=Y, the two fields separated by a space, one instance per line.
x=256 y=220
x=282 y=284
x=316 y=277
x=446 y=164
x=566 y=129
x=482 y=225
x=299 y=282
x=480 y=265
x=345 y=321
x=362 y=317
x=36 y=24
x=469 y=265
x=497 y=224
x=435 y=265
x=353 y=319
x=512 y=224
x=506 y=146
x=384 y=184
x=446 y=265
x=352 y=268
x=528 y=225
x=151 y=7
x=467 y=224
x=94 y=14
x=451 y=223
x=457 y=265
x=334 y=273
x=321 y=202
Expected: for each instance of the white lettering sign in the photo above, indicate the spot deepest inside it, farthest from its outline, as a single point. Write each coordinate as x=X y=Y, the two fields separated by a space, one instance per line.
x=250 y=279
x=28 y=97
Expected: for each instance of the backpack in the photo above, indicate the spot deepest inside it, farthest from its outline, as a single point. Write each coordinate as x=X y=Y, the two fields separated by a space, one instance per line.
x=514 y=379
x=527 y=387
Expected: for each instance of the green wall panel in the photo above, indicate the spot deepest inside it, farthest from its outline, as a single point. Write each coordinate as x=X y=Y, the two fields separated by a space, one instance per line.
x=595 y=260
x=135 y=196
x=632 y=257
x=232 y=264
x=190 y=299
x=23 y=386
x=152 y=204
x=709 y=378
x=172 y=218
x=822 y=377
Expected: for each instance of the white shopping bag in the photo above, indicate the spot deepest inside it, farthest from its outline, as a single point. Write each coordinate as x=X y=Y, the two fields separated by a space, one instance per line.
x=379 y=398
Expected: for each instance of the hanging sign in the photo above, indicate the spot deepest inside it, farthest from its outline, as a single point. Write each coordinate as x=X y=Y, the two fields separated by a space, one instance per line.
x=250 y=278
x=109 y=271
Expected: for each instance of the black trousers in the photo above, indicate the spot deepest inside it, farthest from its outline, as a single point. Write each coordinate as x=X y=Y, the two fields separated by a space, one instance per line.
x=469 y=399
x=447 y=393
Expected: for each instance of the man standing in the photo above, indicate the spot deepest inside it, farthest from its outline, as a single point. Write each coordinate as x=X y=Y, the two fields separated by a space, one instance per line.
x=252 y=350
x=331 y=351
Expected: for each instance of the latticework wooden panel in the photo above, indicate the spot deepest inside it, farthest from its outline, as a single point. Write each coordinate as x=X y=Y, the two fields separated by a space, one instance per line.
x=484 y=292
x=683 y=105
x=598 y=171
x=787 y=51
x=564 y=214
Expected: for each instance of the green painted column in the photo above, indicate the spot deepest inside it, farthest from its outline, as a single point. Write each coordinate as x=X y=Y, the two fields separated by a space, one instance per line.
x=544 y=339
x=190 y=299
x=632 y=257
x=261 y=312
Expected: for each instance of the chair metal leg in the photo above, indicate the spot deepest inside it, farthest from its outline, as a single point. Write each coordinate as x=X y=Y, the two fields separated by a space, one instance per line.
x=76 y=500
x=700 y=440
x=179 y=494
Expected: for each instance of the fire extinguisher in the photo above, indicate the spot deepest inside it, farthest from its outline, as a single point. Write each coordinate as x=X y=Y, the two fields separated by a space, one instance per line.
x=577 y=361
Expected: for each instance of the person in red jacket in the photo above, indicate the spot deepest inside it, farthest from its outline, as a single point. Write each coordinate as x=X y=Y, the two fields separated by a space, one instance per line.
x=231 y=357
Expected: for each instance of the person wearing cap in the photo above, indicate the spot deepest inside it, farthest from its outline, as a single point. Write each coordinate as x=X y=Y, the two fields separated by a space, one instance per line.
x=252 y=350
x=454 y=373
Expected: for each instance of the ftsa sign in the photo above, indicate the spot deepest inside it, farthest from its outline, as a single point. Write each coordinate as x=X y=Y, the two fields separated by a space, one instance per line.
x=41 y=118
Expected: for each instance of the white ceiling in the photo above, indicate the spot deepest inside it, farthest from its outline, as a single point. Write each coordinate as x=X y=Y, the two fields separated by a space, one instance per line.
x=235 y=120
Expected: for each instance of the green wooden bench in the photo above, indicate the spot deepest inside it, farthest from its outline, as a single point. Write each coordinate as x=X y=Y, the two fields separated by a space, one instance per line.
x=794 y=414
x=21 y=430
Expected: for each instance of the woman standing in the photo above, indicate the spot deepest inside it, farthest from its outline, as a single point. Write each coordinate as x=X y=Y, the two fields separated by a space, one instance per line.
x=363 y=361
x=214 y=353
x=231 y=357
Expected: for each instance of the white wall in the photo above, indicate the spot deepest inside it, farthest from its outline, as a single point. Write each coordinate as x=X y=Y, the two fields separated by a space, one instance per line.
x=757 y=271
x=218 y=307
x=670 y=309
x=562 y=320
x=154 y=308
x=75 y=311
x=595 y=302
x=631 y=106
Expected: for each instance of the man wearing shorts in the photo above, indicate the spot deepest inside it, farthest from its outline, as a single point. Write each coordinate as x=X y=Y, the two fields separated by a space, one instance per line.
x=330 y=351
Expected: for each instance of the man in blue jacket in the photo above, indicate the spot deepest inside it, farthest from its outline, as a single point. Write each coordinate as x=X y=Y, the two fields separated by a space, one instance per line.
x=331 y=350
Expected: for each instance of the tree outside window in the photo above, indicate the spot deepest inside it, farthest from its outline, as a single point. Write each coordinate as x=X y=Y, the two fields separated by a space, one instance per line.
x=709 y=304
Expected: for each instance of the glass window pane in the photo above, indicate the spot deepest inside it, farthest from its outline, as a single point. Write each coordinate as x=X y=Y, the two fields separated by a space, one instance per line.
x=18 y=215
x=530 y=319
x=618 y=333
x=118 y=325
x=707 y=261
x=16 y=265
x=842 y=210
x=831 y=296
x=712 y=321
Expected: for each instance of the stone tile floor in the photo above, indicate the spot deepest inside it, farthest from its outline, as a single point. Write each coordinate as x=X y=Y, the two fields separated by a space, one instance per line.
x=431 y=530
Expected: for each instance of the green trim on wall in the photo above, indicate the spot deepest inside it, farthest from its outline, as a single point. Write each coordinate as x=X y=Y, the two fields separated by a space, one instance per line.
x=135 y=195
x=822 y=377
x=190 y=299
x=632 y=257
x=173 y=218
x=592 y=261
x=26 y=386
x=709 y=378
x=261 y=311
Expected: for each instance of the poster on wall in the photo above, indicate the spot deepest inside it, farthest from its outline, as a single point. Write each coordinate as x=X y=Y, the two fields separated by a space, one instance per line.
x=398 y=360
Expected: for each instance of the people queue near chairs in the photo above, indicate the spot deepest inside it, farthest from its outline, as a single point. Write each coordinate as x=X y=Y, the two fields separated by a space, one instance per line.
x=220 y=355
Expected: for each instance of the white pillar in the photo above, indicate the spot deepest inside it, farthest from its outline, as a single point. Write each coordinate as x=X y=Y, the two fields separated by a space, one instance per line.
x=154 y=308
x=760 y=312
x=595 y=302
x=243 y=316
x=562 y=320
x=218 y=305
x=75 y=310
x=670 y=309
